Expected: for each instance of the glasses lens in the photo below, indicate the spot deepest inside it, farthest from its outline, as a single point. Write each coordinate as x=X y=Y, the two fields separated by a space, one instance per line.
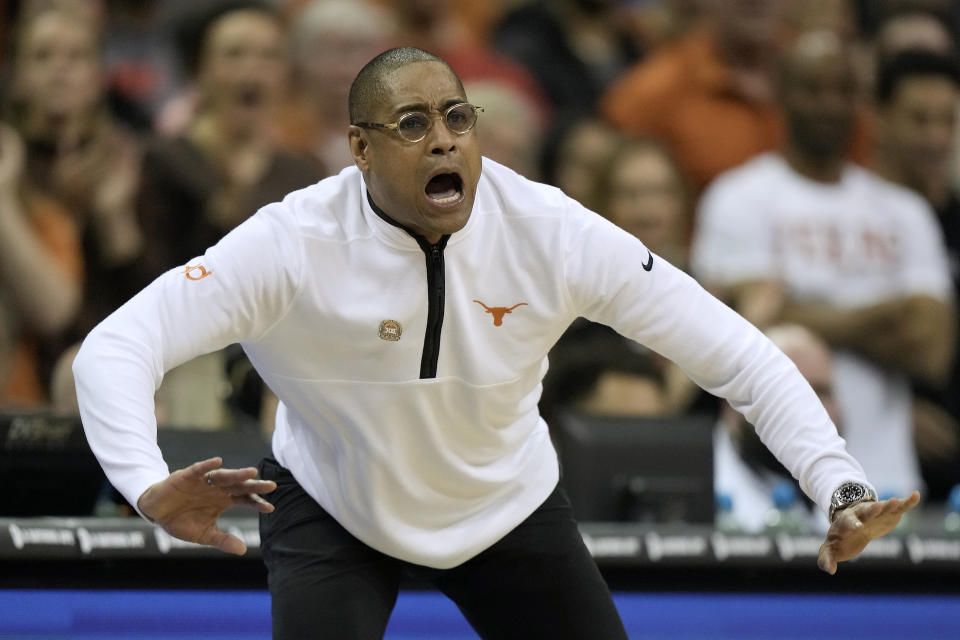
x=461 y=118
x=413 y=126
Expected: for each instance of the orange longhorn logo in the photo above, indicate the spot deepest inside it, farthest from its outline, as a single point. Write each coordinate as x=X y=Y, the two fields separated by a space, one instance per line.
x=191 y=271
x=499 y=312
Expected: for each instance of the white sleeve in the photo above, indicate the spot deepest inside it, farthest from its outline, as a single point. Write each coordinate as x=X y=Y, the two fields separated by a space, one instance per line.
x=926 y=269
x=733 y=240
x=234 y=293
x=669 y=312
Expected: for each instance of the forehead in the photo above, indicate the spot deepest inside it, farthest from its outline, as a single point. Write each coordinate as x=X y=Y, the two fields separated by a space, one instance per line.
x=922 y=88
x=428 y=84
x=826 y=67
x=241 y=24
x=643 y=162
x=53 y=26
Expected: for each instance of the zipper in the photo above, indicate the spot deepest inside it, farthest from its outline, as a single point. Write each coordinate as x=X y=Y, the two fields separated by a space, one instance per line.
x=436 y=295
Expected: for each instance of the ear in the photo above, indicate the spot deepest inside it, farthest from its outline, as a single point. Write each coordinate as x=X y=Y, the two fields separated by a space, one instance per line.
x=359 y=148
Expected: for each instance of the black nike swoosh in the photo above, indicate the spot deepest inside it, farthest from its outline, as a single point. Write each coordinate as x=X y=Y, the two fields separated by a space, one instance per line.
x=649 y=263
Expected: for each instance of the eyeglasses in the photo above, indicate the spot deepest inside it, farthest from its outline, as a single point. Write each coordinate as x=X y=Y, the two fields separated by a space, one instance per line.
x=414 y=126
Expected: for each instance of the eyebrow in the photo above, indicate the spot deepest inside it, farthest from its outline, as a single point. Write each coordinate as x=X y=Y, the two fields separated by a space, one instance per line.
x=419 y=106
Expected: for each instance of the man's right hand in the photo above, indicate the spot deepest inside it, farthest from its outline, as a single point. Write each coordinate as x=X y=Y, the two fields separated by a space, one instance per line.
x=189 y=501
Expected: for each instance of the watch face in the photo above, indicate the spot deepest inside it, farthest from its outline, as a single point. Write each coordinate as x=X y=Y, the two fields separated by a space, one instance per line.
x=851 y=492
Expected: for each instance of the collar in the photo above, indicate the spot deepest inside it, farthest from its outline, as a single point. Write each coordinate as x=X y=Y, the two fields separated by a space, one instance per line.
x=422 y=241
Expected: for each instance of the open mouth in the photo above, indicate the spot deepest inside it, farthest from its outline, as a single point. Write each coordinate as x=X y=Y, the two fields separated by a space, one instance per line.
x=445 y=188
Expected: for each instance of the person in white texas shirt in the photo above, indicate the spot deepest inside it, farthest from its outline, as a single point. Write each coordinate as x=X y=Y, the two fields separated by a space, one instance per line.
x=402 y=312
x=805 y=237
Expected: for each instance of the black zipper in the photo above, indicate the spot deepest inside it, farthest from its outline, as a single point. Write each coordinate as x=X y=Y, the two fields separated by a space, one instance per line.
x=436 y=293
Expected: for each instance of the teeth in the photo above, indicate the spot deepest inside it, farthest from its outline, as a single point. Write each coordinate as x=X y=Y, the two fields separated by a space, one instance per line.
x=446 y=200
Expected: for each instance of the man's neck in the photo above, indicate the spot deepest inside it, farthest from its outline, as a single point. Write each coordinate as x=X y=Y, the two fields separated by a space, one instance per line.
x=431 y=239
x=828 y=170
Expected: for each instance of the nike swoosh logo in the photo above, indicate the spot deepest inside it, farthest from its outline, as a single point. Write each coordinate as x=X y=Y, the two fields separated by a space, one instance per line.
x=649 y=263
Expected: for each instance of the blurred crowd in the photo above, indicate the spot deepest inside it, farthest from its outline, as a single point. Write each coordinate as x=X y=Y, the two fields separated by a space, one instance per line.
x=799 y=158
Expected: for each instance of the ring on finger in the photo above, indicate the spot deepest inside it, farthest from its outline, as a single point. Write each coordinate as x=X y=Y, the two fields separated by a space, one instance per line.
x=209 y=479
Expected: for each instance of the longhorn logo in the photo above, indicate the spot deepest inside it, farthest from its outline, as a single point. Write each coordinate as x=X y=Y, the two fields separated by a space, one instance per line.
x=499 y=312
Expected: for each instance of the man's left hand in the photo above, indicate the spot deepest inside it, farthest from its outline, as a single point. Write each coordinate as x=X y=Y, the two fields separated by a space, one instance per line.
x=855 y=526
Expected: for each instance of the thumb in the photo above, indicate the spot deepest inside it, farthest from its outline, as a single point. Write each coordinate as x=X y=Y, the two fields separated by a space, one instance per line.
x=228 y=543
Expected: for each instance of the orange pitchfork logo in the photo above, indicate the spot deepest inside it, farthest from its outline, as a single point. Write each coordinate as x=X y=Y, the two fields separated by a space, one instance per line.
x=499 y=312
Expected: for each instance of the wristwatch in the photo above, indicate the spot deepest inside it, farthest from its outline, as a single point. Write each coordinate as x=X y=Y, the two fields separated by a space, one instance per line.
x=849 y=494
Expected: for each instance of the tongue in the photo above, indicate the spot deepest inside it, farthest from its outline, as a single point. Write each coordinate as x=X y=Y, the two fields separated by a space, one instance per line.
x=442 y=187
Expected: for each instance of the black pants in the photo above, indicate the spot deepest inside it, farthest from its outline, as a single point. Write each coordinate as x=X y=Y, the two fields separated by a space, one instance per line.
x=539 y=581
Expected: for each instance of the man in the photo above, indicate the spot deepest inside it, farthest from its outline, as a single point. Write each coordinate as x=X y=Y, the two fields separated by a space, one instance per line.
x=402 y=311
x=918 y=94
x=803 y=236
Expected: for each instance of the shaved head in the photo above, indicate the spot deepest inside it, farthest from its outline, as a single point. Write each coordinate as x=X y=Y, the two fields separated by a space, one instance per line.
x=368 y=87
x=811 y=48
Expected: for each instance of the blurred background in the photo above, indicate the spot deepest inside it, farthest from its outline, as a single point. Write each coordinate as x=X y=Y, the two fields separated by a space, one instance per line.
x=800 y=158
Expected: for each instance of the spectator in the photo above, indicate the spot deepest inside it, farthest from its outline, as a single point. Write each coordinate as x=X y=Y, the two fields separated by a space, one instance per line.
x=140 y=59
x=918 y=97
x=574 y=152
x=595 y=370
x=40 y=276
x=219 y=171
x=512 y=125
x=331 y=40
x=440 y=26
x=226 y=164
x=573 y=48
x=902 y=27
x=642 y=190
x=803 y=236
x=78 y=161
x=655 y=24
x=743 y=467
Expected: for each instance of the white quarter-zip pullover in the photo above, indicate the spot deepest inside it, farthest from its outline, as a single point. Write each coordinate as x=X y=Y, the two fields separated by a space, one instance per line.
x=331 y=303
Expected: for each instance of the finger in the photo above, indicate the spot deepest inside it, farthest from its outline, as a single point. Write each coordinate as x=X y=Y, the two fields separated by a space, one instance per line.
x=231 y=477
x=204 y=466
x=826 y=560
x=239 y=475
x=912 y=500
x=227 y=542
x=251 y=486
x=894 y=506
x=254 y=501
x=226 y=478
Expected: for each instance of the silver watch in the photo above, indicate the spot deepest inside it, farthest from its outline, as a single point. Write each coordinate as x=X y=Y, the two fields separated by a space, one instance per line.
x=849 y=494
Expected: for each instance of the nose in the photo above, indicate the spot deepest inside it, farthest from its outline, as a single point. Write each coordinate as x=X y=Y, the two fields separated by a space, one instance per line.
x=442 y=140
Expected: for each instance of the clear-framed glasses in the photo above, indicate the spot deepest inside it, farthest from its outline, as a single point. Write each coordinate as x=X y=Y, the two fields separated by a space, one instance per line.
x=415 y=125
